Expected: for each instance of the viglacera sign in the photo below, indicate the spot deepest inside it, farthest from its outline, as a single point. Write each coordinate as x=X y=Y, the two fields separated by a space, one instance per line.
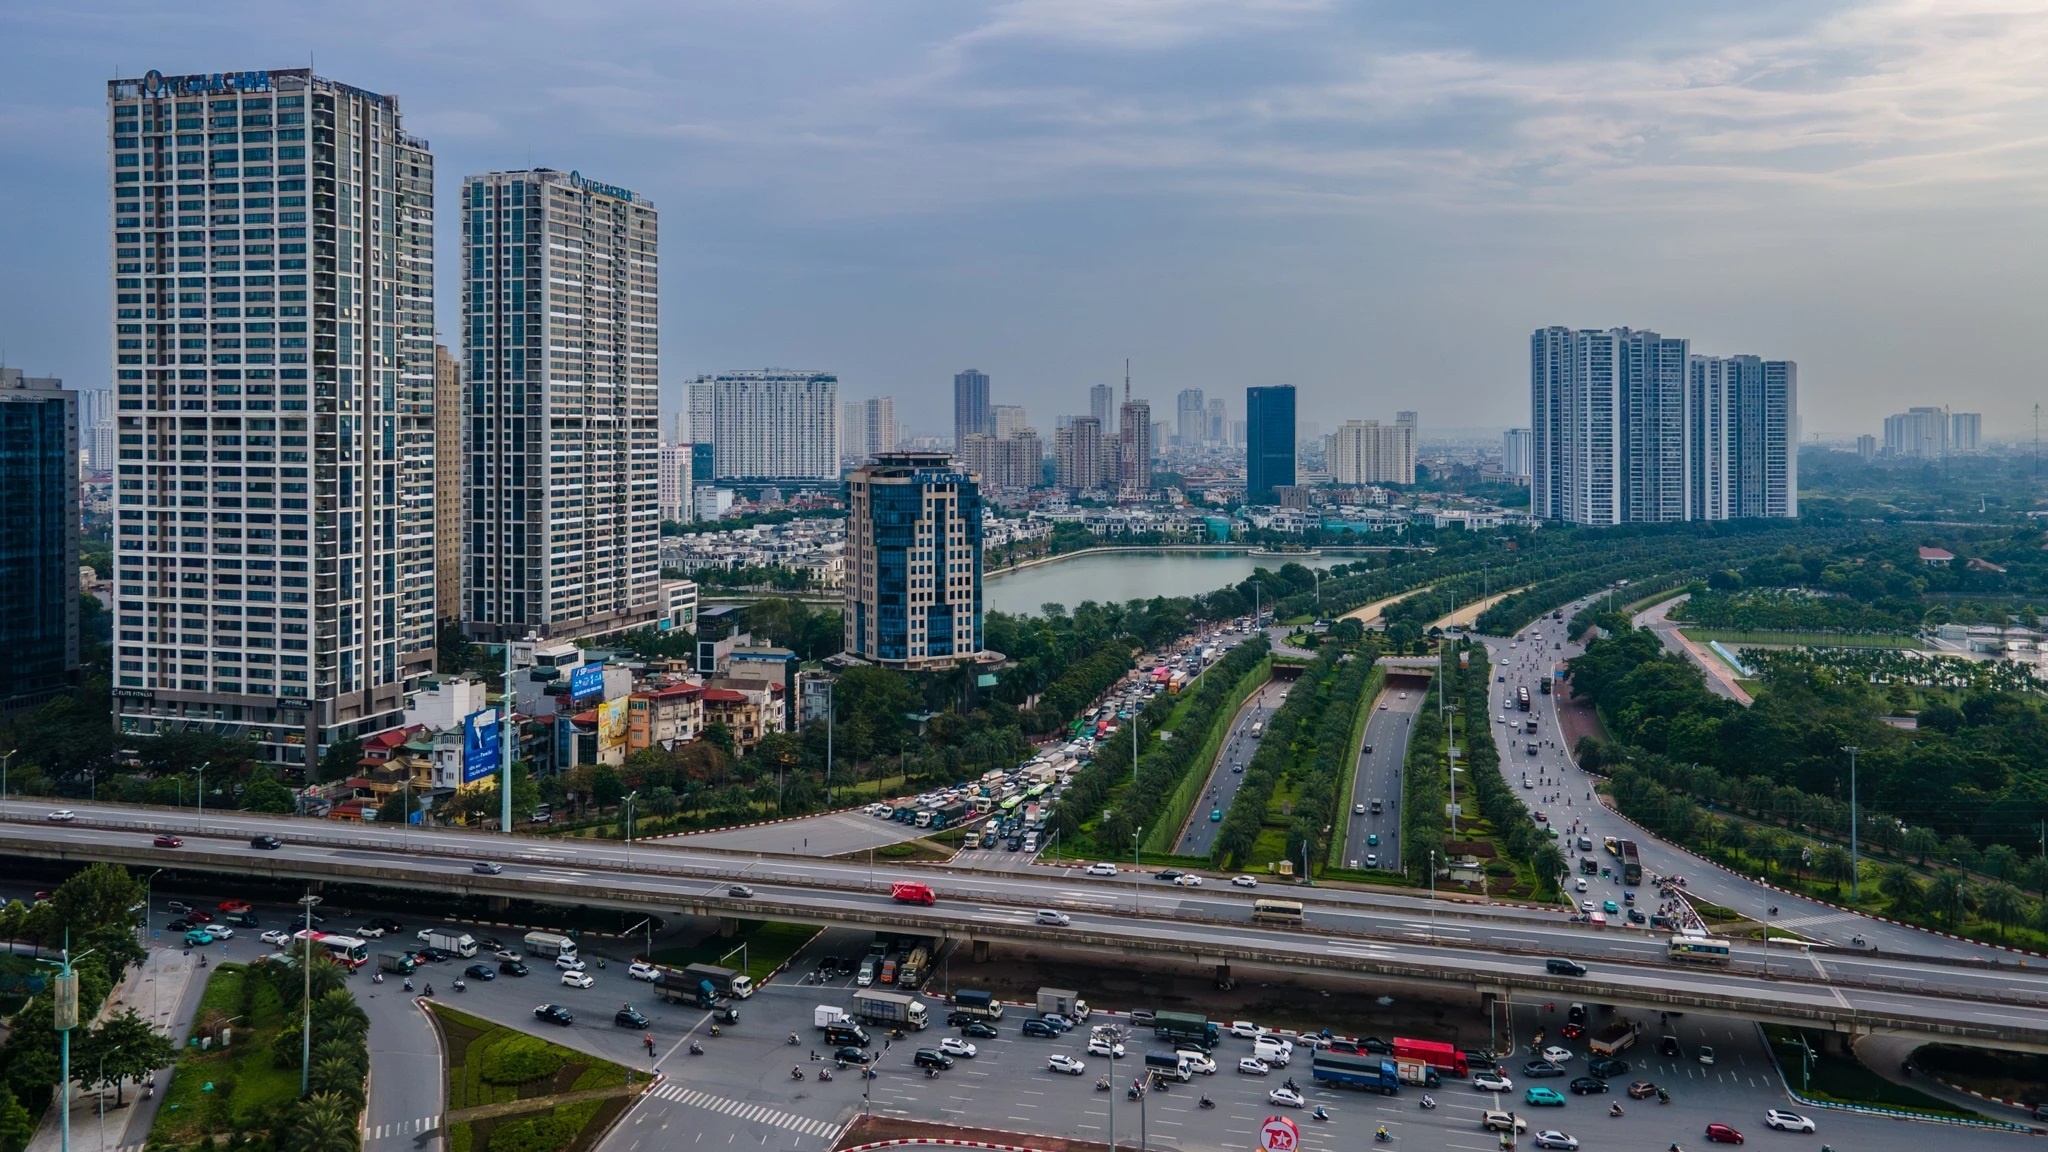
x=155 y=83
x=577 y=182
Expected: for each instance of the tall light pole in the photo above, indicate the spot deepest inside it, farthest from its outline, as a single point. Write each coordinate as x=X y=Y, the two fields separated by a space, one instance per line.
x=1432 y=895
x=1855 y=869
x=64 y=1018
x=101 y=1080
x=1451 y=746
x=306 y=999
x=630 y=798
x=1136 y=867
x=6 y=760
x=148 y=930
x=828 y=744
x=201 y=770
x=505 y=702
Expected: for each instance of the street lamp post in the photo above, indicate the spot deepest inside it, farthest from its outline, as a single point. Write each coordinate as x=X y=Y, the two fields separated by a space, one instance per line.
x=1432 y=895
x=149 y=930
x=63 y=1020
x=630 y=798
x=1855 y=869
x=306 y=999
x=1135 y=868
x=828 y=744
x=201 y=796
x=6 y=760
x=101 y=1079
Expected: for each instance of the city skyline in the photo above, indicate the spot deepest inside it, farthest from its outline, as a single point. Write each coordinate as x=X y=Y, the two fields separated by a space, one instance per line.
x=1832 y=247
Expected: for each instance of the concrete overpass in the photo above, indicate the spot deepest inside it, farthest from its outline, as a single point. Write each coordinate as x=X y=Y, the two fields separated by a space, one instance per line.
x=1128 y=916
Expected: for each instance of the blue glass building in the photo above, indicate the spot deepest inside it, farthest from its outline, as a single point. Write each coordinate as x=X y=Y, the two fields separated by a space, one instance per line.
x=38 y=537
x=913 y=562
x=1269 y=442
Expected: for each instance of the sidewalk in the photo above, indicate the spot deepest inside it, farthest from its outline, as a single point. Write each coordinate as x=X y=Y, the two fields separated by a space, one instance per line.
x=165 y=990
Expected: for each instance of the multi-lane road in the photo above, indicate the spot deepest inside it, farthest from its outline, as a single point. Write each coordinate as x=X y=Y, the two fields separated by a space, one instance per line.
x=1247 y=728
x=1378 y=778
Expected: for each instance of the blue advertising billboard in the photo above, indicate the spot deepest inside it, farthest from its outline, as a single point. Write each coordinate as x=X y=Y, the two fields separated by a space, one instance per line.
x=481 y=755
x=586 y=680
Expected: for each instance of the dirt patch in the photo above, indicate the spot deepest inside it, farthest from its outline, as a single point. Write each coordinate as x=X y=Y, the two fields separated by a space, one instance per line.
x=873 y=1129
x=1577 y=717
x=1277 y=998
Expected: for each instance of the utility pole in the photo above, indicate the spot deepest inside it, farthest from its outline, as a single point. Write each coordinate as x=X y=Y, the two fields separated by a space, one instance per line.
x=306 y=1000
x=64 y=1018
x=1855 y=870
x=828 y=744
x=202 y=794
x=505 y=702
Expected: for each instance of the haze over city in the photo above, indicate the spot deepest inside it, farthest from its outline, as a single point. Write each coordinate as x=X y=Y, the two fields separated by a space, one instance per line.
x=1374 y=203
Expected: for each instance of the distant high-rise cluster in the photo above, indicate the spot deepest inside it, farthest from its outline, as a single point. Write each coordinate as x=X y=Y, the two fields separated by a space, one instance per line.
x=1631 y=427
x=1933 y=434
x=867 y=428
x=995 y=442
x=1080 y=454
x=1369 y=452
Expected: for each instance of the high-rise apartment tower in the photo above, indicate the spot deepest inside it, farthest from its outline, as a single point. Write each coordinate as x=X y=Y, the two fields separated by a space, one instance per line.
x=1269 y=441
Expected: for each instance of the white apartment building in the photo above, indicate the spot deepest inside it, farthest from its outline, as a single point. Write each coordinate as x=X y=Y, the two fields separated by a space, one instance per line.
x=1008 y=420
x=1918 y=433
x=1369 y=452
x=1631 y=427
x=771 y=424
x=560 y=317
x=1517 y=453
x=1965 y=432
x=273 y=277
x=677 y=498
x=867 y=427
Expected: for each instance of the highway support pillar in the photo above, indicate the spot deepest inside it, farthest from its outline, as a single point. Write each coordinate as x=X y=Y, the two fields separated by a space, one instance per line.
x=979 y=951
x=728 y=927
x=1224 y=981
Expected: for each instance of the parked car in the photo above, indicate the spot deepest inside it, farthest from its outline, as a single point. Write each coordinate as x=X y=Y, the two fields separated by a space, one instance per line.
x=555 y=1014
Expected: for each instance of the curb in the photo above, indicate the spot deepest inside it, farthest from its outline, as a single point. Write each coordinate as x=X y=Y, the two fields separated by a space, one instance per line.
x=1886 y=1113
x=1979 y=1095
x=941 y=1141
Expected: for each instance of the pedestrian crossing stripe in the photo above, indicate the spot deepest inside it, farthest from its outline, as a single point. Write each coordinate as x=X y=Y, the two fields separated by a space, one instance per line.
x=401 y=1128
x=752 y=1113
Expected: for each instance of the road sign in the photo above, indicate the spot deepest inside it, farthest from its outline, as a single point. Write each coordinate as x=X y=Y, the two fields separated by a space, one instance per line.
x=1278 y=1134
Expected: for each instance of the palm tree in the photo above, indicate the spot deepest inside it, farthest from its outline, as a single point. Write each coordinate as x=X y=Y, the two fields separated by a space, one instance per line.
x=2005 y=905
x=1832 y=862
x=2034 y=874
x=1901 y=887
x=1952 y=896
x=1921 y=842
x=337 y=1077
x=1550 y=866
x=325 y=1123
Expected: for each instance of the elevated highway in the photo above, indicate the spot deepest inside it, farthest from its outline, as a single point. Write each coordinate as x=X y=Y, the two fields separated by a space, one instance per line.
x=1458 y=946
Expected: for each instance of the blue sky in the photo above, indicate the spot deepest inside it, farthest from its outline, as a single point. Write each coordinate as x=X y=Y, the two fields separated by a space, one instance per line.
x=1373 y=202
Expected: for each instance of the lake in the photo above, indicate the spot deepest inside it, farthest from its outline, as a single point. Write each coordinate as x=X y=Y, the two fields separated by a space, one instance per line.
x=1129 y=574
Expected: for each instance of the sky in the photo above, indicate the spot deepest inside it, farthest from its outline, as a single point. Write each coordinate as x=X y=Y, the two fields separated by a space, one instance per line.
x=1373 y=202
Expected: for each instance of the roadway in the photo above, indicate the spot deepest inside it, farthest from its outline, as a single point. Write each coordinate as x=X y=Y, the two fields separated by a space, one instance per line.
x=1720 y=679
x=1564 y=794
x=1360 y=933
x=1378 y=777
x=1226 y=775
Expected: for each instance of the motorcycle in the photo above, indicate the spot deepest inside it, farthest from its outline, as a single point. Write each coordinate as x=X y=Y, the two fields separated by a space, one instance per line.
x=1319 y=1113
x=1381 y=1137
x=1858 y=941
x=714 y=1030
x=793 y=1040
x=1102 y=1085
x=696 y=1049
x=1663 y=1097
x=1206 y=1102
x=796 y=1073
x=825 y=1074
x=1614 y=1109
x=460 y=986
x=1428 y=1102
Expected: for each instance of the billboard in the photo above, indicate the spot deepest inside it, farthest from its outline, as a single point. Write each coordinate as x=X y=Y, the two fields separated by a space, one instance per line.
x=611 y=724
x=586 y=680
x=481 y=755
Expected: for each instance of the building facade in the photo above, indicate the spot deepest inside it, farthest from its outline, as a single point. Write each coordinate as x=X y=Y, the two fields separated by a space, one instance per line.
x=1269 y=441
x=1008 y=463
x=1006 y=420
x=1134 y=448
x=1218 y=430
x=274 y=382
x=1191 y=417
x=39 y=606
x=913 y=562
x=560 y=304
x=971 y=415
x=1632 y=427
x=677 y=497
x=1917 y=433
x=447 y=485
x=1078 y=455
x=771 y=424
x=1100 y=398
x=1369 y=452
x=1517 y=453
x=1966 y=432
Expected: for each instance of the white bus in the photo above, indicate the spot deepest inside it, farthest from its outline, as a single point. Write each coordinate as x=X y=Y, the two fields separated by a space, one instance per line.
x=1699 y=950
x=1277 y=911
x=341 y=949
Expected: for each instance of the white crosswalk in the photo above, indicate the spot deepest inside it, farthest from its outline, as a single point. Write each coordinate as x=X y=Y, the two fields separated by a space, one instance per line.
x=401 y=1128
x=752 y=1113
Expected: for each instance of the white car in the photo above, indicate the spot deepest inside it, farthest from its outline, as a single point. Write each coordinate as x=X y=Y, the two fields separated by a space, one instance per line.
x=1253 y=1066
x=1245 y=881
x=1557 y=1055
x=1246 y=1030
x=1552 y=1138
x=1286 y=1098
x=508 y=954
x=955 y=1046
x=568 y=964
x=1198 y=1063
x=274 y=936
x=62 y=816
x=641 y=970
x=1372 y=859
x=1272 y=1051
x=578 y=979
x=1706 y=1054
x=1067 y=1064
x=1103 y=1046
x=1188 y=880
x=369 y=933
x=1492 y=1082
x=1787 y=1121
x=1585 y=905
x=218 y=930
x=1100 y=869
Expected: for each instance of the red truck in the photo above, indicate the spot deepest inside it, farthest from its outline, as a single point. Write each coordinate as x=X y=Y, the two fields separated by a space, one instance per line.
x=1443 y=1057
x=905 y=892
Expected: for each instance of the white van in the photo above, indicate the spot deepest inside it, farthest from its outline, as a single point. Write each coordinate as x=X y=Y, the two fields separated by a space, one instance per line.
x=1273 y=1050
x=1053 y=917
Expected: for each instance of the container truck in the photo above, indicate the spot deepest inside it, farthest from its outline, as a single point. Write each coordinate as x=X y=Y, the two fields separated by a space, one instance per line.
x=1631 y=865
x=726 y=981
x=550 y=944
x=1614 y=1038
x=1438 y=1055
x=1185 y=1028
x=679 y=987
x=826 y=1015
x=458 y=943
x=977 y=1003
x=1064 y=1002
x=1416 y=1072
x=1355 y=1070
x=909 y=892
x=892 y=1008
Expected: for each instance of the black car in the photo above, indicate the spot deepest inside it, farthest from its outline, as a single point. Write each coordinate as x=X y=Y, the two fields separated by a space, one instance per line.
x=435 y=955
x=490 y=943
x=267 y=843
x=932 y=1058
x=1607 y=1067
x=978 y=1030
x=1587 y=1085
x=178 y=926
x=1668 y=1046
x=629 y=1017
x=1376 y=1046
x=511 y=967
x=384 y=922
x=1539 y=1069
x=555 y=1014
x=1481 y=1062
x=480 y=972
x=1038 y=1028
x=852 y=1055
x=1167 y=874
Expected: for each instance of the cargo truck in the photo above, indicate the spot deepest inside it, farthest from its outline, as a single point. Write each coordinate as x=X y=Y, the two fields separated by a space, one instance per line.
x=1631 y=864
x=1171 y=1064
x=1615 y=1037
x=1355 y=1070
x=826 y=1015
x=1416 y=1072
x=550 y=944
x=724 y=980
x=397 y=962
x=911 y=972
x=1443 y=1057
x=679 y=987
x=1185 y=1028
x=976 y=1003
x=1064 y=1002
x=907 y=892
x=891 y=1008
x=458 y=943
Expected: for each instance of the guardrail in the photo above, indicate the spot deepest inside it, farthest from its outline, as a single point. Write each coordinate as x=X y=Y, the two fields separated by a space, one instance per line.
x=717 y=904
